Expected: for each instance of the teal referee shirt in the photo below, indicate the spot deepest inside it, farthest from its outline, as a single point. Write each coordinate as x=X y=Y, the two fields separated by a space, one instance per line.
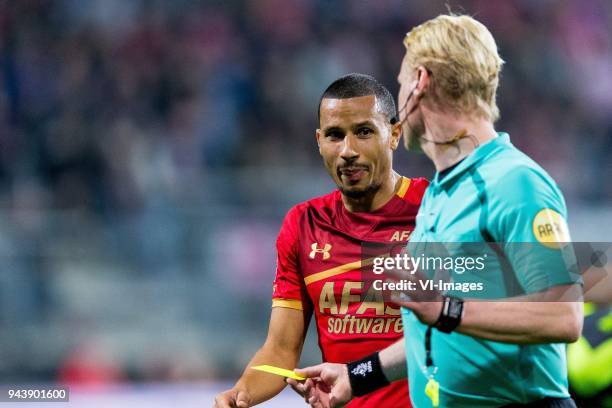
x=496 y=194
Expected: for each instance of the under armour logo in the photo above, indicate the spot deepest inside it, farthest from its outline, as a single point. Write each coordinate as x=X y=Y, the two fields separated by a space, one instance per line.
x=362 y=369
x=316 y=250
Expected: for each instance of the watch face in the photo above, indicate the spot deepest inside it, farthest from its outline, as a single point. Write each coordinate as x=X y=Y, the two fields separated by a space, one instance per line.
x=455 y=307
x=450 y=317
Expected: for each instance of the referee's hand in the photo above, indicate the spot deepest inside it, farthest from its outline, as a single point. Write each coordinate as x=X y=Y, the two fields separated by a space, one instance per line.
x=424 y=301
x=329 y=387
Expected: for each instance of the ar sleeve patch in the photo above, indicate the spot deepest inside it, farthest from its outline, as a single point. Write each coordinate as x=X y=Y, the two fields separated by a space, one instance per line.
x=550 y=229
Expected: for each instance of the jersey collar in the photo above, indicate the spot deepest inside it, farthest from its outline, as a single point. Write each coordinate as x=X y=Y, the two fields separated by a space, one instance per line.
x=471 y=160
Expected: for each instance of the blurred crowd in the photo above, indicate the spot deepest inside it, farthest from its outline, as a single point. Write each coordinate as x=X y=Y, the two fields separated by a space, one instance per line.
x=142 y=135
x=107 y=104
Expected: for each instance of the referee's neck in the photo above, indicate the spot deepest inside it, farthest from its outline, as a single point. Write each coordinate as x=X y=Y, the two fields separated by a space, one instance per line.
x=450 y=139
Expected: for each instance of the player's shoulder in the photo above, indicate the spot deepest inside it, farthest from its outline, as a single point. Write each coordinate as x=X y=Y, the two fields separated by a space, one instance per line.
x=413 y=189
x=325 y=204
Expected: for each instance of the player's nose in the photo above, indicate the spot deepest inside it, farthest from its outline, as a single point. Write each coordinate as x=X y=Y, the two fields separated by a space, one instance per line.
x=349 y=151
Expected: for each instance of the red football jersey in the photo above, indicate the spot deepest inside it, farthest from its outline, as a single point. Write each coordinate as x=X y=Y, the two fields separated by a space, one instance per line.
x=319 y=261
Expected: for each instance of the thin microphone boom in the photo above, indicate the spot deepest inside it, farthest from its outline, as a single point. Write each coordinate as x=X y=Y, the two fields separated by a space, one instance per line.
x=460 y=135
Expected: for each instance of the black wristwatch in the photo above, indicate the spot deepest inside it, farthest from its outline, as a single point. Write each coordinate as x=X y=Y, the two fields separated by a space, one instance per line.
x=450 y=315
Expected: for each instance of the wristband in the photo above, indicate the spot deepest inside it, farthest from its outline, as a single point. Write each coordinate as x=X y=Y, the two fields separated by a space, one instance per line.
x=450 y=315
x=366 y=375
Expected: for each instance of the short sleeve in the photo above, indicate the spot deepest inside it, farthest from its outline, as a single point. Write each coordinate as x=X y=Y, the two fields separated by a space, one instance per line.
x=289 y=289
x=415 y=190
x=528 y=218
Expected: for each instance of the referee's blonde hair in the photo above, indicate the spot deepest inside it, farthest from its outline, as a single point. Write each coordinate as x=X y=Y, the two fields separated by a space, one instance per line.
x=461 y=55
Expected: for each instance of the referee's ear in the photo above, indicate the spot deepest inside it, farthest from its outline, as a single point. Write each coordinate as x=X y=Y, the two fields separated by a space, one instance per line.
x=318 y=136
x=422 y=78
x=396 y=135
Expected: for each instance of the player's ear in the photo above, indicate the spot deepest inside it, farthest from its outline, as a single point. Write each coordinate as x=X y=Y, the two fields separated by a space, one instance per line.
x=318 y=137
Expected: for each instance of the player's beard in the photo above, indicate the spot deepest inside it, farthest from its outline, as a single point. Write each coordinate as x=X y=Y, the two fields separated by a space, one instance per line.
x=369 y=191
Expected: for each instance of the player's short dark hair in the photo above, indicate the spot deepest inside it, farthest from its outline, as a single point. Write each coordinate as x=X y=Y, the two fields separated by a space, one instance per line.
x=355 y=85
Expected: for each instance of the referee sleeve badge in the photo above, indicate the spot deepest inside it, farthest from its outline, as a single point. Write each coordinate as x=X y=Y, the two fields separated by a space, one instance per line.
x=550 y=229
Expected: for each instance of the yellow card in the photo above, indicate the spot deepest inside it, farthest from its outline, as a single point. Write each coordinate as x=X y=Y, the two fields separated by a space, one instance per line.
x=279 y=371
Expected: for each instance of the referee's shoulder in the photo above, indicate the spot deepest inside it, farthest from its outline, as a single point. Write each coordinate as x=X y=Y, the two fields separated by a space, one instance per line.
x=514 y=175
x=512 y=164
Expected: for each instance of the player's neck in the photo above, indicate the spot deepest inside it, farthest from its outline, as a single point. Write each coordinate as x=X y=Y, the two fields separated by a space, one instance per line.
x=470 y=133
x=376 y=200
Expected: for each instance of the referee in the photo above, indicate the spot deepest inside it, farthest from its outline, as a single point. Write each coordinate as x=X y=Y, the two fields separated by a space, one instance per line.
x=459 y=352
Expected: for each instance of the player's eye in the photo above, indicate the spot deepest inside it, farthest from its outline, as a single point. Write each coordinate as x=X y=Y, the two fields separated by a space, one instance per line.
x=334 y=135
x=364 y=132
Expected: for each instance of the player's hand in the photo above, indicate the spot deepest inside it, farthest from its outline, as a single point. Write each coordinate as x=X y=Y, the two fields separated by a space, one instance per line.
x=330 y=386
x=234 y=398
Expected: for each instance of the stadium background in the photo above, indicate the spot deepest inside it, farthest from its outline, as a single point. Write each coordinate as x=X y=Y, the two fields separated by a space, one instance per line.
x=149 y=150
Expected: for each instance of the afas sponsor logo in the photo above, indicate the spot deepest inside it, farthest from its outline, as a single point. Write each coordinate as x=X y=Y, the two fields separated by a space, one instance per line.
x=364 y=325
x=351 y=299
x=400 y=236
